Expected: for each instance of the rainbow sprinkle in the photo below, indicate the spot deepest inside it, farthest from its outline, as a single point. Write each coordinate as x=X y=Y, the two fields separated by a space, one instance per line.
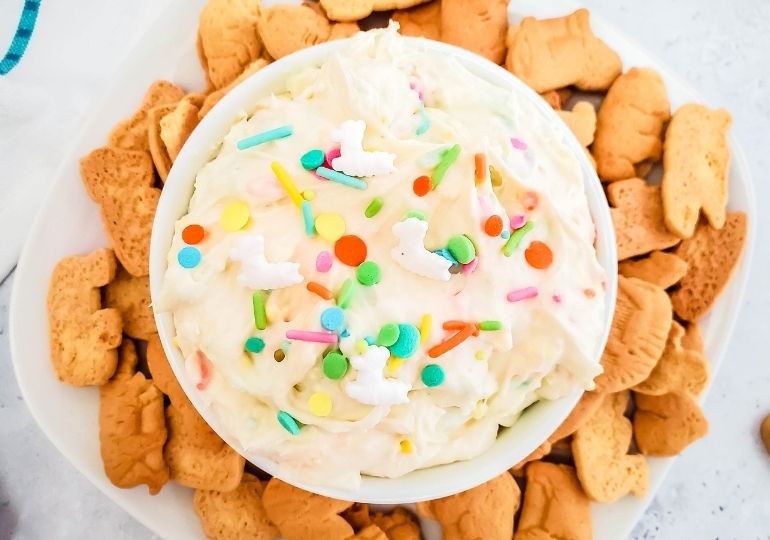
x=314 y=337
x=307 y=218
x=344 y=179
x=515 y=239
x=260 y=315
x=447 y=159
x=265 y=136
x=522 y=294
x=287 y=183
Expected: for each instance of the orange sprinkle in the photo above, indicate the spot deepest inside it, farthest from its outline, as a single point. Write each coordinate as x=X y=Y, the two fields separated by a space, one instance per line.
x=481 y=167
x=350 y=250
x=320 y=290
x=459 y=325
x=538 y=255
x=494 y=225
x=590 y=293
x=530 y=200
x=193 y=234
x=421 y=186
x=452 y=342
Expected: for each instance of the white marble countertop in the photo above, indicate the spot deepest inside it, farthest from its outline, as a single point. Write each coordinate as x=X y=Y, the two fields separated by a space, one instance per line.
x=718 y=489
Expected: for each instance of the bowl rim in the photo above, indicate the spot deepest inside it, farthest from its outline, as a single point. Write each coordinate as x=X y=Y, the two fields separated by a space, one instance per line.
x=536 y=423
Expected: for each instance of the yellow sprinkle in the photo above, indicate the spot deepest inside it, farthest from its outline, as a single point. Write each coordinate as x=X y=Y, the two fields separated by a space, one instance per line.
x=330 y=226
x=308 y=195
x=361 y=346
x=394 y=364
x=320 y=404
x=480 y=355
x=287 y=183
x=425 y=326
x=235 y=216
x=406 y=446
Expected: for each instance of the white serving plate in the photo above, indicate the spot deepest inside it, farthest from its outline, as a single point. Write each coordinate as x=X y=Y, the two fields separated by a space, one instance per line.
x=68 y=223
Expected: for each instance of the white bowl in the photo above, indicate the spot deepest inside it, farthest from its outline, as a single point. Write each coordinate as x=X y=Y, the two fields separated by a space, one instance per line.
x=513 y=443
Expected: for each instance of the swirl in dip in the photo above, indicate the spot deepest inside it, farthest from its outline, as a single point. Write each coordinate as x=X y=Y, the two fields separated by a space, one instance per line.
x=480 y=293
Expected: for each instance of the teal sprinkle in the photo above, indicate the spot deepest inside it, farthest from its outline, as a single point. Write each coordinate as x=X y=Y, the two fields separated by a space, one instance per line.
x=255 y=345
x=444 y=252
x=344 y=179
x=515 y=239
x=285 y=344
x=424 y=121
x=505 y=234
x=432 y=375
x=265 y=136
x=307 y=218
x=288 y=422
x=369 y=340
x=312 y=159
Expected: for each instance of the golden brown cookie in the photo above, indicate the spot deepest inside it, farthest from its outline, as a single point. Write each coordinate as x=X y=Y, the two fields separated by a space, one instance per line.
x=659 y=268
x=229 y=40
x=678 y=370
x=195 y=454
x=235 y=515
x=177 y=126
x=370 y=532
x=343 y=30
x=83 y=337
x=479 y=26
x=420 y=21
x=162 y=374
x=120 y=181
x=712 y=256
x=320 y=517
x=131 y=426
x=582 y=121
x=637 y=337
x=696 y=162
x=693 y=339
x=358 y=516
x=629 y=125
x=555 y=53
x=600 y=448
x=637 y=216
x=214 y=97
x=398 y=524
x=555 y=506
x=484 y=512
x=131 y=297
x=131 y=134
x=764 y=432
x=355 y=10
x=665 y=425
x=160 y=157
x=287 y=28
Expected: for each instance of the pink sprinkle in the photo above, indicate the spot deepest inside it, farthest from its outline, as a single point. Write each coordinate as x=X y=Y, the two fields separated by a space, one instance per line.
x=204 y=365
x=517 y=222
x=323 y=262
x=331 y=155
x=530 y=200
x=518 y=144
x=522 y=294
x=556 y=298
x=315 y=337
x=418 y=87
x=471 y=266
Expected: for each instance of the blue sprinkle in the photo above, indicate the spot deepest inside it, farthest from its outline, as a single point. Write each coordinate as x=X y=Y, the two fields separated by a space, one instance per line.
x=407 y=342
x=307 y=217
x=285 y=344
x=255 y=345
x=424 y=121
x=505 y=235
x=345 y=333
x=444 y=252
x=288 y=422
x=344 y=179
x=333 y=318
x=265 y=136
x=370 y=340
x=189 y=257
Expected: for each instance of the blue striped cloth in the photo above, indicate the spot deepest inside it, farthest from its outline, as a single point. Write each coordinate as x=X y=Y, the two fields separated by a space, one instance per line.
x=22 y=36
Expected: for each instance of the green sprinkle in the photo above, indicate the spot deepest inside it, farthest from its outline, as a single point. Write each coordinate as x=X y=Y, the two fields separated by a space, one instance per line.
x=516 y=237
x=490 y=325
x=255 y=345
x=447 y=159
x=461 y=248
x=335 y=365
x=346 y=294
x=374 y=207
x=368 y=273
x=419 y=214
x=288 y=422
x=388 y=335
x=432 y=375
x=312 y=159
x=260 y=316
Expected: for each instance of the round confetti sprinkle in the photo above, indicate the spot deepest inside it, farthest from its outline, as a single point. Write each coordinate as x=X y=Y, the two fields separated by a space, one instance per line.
x=189 y=257
x=407 y=342
x=505 y=235
x=538 y=255
x=235 y=216
x=388 y=335
x=312 y=159
x=288 y=422
x=406 y=446
x=335 y=365
x=518 y=221
x=493 y=226
x=333 y=318
x=421 y=186
x=368 y=273
x=330 y=226
x=479 y=355
x=374 y=207
x=308 y=195
x=350 y=250
x=331 y=155
x=320 y=404
x=323 y=262
x=255 y=345
x=432 y=375
x=461 y=248
x=415 y=213
x=193 y=234
x=529 y=200
x=279 y=355
x=518 y=144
